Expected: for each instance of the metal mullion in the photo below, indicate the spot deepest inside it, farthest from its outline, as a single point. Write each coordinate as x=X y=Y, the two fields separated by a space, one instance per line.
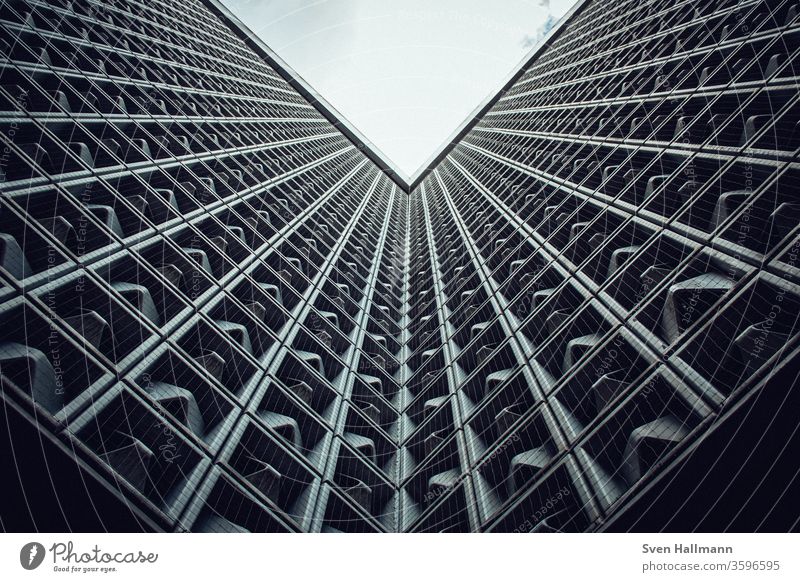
x=584 y=193
x=587 y=287
x=524 y=359
x=164 y=164
x=625 y=316
x=351 y=363
x=466 y=478
x=563 y=55
x=636 y=145
x=110 y=27
x=499 y=303
x=278 y=350
x=671 y=224
x=198 y=214
x=267 y=248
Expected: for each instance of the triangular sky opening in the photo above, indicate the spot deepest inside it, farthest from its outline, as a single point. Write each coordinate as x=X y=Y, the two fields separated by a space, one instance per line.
x=404 y=74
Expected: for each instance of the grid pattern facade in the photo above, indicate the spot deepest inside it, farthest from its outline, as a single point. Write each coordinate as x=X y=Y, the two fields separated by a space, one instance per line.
x=222 y=307
x=197 y=267
x=615 y=251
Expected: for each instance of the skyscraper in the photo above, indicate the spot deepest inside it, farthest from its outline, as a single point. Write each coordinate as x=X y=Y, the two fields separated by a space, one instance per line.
x=224 y=310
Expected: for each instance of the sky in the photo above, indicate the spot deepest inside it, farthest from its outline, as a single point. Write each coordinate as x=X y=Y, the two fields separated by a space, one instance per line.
x=405 y=73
